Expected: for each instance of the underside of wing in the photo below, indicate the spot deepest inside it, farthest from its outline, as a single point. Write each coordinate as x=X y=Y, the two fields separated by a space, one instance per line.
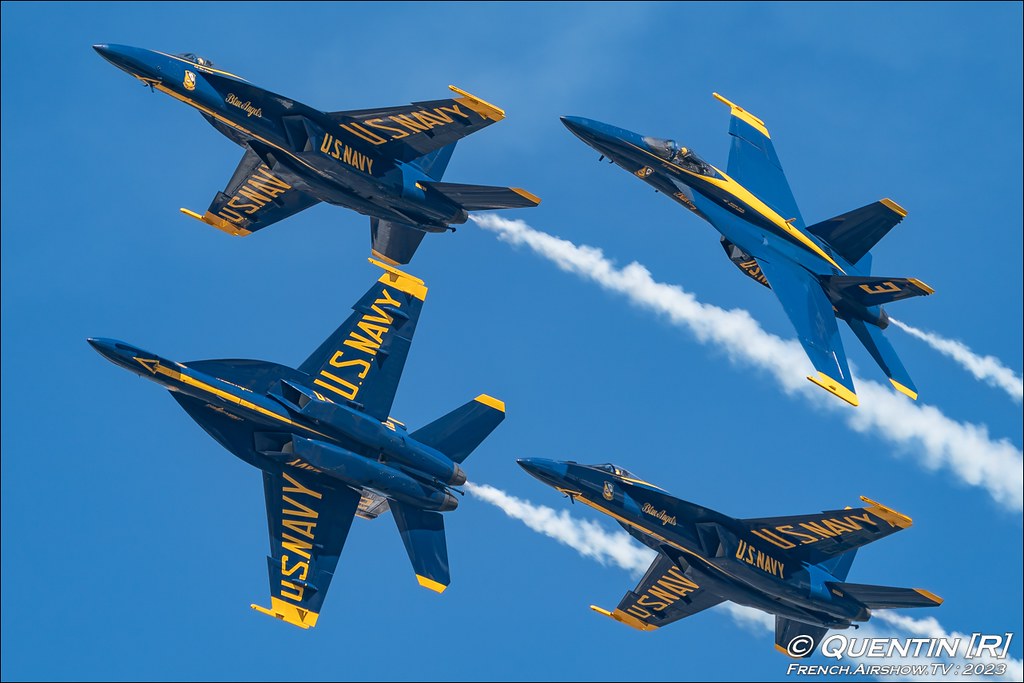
x=812 y=314
x=754 y=164
x=413 y=130
x=664 y=595
x=821 y=536
x=308 y=517
x=253 y=199
x=361 y=363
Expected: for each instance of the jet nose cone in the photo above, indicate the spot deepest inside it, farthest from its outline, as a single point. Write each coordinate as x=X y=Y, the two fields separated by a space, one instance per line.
x=105 y=347
x=138 y=62
x=550 y=472
x=578 y=125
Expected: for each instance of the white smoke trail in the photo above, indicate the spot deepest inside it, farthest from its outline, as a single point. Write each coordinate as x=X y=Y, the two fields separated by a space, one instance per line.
x=934 y=439
x=587 y=538
x=590 y=539
x=987 y=369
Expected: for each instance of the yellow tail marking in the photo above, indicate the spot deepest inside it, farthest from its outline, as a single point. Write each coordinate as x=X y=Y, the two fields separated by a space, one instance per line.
x=784 y=651
x=431 y=584
x=931 y=596
x=481 y=107
x=285 y=611
x=894 y=518
x=529 y=196
x=927 y=290
x=217 y=222
x=744 y=115
x=834 y=387
x=495 y=403
x=400 y=280
x=903 y=390
x=893 y=206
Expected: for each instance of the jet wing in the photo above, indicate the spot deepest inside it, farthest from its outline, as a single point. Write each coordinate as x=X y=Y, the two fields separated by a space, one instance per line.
x=811 y=313
x=754 y=164
x=663 y=596
x=820 y=537
x=413 y=130
x=362 y=361
x=253 y=199
x=309 y=517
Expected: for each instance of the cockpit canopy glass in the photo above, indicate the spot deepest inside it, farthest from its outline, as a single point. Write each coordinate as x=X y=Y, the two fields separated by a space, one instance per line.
x=196 y=59
x=617 y=471
x=670 y=151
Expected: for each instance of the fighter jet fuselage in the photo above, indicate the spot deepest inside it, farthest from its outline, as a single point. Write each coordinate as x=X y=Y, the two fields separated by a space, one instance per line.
x=820 y=273
x=327 y=446
x=385 y=163
x=793 y=568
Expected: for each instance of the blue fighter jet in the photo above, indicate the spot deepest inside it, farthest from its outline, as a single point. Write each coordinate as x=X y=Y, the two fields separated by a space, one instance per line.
x=385 y=162
x=819 y=273
x=327 y=446
x=794 y=568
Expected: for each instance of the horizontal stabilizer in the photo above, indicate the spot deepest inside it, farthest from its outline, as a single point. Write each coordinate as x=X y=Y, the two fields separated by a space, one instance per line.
x=873 y=291
x=481 y=197
x=796 y=639
x=885 y=597
x=854 y=233
x=458 y=433
x=394 y=242
x=423 y=535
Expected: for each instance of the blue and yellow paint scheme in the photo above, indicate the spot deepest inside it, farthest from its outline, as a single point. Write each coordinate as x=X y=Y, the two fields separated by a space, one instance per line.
x=819 y=273
x=386 y=163
x=328 y=448
x=793 y=568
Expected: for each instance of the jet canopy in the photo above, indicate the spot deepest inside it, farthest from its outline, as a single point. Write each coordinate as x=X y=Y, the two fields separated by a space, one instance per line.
x=616 y=470
x=196 y=59
x=670 y=151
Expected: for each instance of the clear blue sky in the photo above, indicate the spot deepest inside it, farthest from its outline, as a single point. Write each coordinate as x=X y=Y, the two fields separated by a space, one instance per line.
x=133 y=544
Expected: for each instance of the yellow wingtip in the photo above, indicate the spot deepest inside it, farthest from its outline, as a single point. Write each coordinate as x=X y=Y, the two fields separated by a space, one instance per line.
x=480 y=106
x=495 y=403
x=435 y=586
x=529 y=196
x=835 y=388
x=217 y=222
x=784 y=651
x=623 y=618
x=401 y=280
x=744 y=115
x=897 y=519
x=920 y=285
x=902 y=389
x=931 y=596
x=893 y=206
x=287 y=612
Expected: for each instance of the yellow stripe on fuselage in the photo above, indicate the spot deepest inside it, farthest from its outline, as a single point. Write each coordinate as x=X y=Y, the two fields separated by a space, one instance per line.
x=741 y=193
x=157 y=368
x=201 y=67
